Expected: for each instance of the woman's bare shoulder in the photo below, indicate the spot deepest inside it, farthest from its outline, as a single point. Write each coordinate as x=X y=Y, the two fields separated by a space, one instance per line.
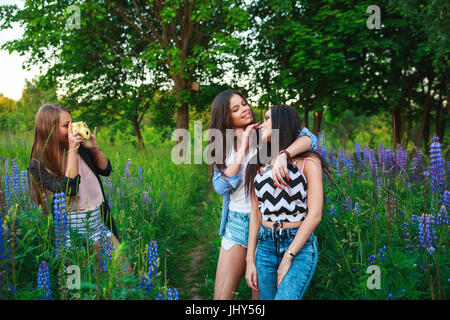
x=310 y=161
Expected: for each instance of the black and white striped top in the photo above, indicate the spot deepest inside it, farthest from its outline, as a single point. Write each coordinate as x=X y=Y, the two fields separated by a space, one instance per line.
x=287 y=204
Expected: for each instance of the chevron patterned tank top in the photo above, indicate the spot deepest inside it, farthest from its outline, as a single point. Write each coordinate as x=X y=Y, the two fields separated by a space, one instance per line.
x=287 y=204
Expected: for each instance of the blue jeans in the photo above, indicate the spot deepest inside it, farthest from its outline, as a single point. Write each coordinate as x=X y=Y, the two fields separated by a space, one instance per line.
x=269 y=252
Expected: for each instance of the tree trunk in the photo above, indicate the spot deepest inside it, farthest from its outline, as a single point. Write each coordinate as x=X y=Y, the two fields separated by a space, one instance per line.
x=442 y=128
x=317 y=121
x=426 y=133
x=183 y=116
x=438 y=119
x=137 y=131
x=306 y=117
x=408 y=132
x=399 y=120
x=447 y=91
x=425 y=112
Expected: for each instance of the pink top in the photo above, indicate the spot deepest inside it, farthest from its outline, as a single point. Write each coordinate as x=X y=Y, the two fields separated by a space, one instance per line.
x=89 y=194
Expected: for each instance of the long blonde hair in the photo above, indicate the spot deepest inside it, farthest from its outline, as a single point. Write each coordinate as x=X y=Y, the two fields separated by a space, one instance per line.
x=47 y=146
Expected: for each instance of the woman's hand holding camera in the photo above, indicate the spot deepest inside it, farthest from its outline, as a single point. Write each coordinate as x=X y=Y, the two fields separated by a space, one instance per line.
x=74 y=140
x=91 y=144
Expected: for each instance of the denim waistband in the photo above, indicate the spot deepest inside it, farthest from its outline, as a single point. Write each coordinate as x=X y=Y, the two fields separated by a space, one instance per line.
x=279 y=233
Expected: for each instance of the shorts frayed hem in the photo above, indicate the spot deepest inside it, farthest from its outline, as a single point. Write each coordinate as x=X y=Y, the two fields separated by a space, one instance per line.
x=230 y=243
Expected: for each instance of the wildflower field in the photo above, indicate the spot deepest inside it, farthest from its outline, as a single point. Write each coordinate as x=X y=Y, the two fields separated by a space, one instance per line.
x=386 y=210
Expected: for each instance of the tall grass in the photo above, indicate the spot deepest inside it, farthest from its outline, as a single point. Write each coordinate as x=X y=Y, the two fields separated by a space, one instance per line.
x=151 y=199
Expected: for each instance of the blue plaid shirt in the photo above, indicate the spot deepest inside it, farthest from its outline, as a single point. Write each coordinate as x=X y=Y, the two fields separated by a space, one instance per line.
x=226 y=185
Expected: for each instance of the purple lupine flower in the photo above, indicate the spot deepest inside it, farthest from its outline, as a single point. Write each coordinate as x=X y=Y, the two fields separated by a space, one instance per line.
x=3 y=241
x=446 y=200
x=379 y=183
x=16 y=179
x=405 y=233
x=106 y=249
x=24 y=183
x=330 y=153
x=148 y=279
x=356 y=208
x=108 y=182
x=381 y=253
x=425 y=225
x=141 y=177
x=145 y=198
x=172 y=294
x=372 y=259
x=380 y=156
x=332 y=211
x=358 y=152
x=442 y=217
x=416 y=170
x=322 y=145
x=372 y=162
x=436 y=166
x=8 y=193
x=401 y=160
x=60 y=218
x=43 y=281
x=350 y=165
x=388 y=158
x=127 y=169
x=159 y=296
x=348 y=203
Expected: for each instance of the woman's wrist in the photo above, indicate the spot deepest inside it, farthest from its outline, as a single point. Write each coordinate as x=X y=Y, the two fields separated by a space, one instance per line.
x=285 y=153
x=72 y=149
x=289 y=255
x=250 y=259
x=95 y=150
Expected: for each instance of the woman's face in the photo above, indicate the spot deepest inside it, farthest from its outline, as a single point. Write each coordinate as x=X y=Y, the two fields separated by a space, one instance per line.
x=266 y=127
x=241 y=114
x=63 y=127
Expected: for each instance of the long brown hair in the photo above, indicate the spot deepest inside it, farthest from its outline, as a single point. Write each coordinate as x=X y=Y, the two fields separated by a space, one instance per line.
x=47 y=146
x=221 y=120
x=288 y=122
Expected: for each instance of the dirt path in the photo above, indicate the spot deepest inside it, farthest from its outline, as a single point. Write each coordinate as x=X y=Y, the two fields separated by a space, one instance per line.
x=198 y=251
x=196 y=256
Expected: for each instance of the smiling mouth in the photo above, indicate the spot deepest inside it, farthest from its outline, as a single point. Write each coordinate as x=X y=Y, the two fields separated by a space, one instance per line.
x=248 y=115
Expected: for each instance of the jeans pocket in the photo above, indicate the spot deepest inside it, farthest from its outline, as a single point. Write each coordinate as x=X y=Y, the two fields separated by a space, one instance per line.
x=260 y=234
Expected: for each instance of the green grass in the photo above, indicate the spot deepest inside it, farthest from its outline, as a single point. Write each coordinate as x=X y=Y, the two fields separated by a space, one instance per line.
x=188 y=216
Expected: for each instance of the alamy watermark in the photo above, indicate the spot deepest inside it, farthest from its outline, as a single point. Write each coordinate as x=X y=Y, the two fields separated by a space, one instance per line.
x=213 y=153
x=73 y=277
x=374 y=280
x=74 y=20
x=374 y=21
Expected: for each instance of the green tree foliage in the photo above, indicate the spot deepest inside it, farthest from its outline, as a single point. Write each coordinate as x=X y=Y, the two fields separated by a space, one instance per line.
x=321 y=56
x=106 y=62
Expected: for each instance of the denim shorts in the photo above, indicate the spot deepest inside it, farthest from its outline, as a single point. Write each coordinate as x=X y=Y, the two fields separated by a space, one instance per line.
x=236 y=229
x=270 y=250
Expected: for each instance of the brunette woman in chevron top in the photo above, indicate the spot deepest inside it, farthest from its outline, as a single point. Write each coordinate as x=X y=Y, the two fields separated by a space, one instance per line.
x=230 y=112
x=282 y=221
